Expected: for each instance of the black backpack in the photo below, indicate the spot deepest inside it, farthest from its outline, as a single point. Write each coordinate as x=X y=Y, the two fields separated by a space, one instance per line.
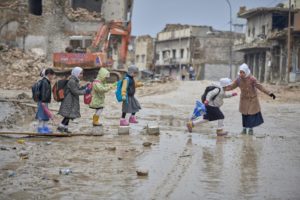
x=207 y=90
x=36 y=90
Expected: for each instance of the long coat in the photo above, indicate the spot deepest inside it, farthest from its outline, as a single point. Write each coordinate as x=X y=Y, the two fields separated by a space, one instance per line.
x=249 y=103
x=99 y=89
x=70 y=106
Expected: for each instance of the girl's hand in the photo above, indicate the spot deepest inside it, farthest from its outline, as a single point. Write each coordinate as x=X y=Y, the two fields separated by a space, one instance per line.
x=234 y=94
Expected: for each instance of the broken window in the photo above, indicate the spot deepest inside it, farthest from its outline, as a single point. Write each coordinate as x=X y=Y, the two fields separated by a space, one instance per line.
x=90 y=5
x=263 y=30
x=35 y=7
x=137 y=58
x=253 y=32
x=280 y=21
x=181 y=53
x=166 y=54
x=249 y=32
x=143 y=58
x=174 y=53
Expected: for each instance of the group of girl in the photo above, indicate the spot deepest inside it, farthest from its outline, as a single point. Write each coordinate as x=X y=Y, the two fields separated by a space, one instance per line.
x=70 y=106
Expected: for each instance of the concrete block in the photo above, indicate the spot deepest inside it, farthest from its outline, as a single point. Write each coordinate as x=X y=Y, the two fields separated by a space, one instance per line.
x=123 y=130
x=97 y=130
x=153 y=129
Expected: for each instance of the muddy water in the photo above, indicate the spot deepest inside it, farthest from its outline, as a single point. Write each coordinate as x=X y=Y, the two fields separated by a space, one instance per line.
x=181 y=165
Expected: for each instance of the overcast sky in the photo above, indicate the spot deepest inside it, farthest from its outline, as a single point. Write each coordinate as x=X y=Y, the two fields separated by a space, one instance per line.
x=150 y=16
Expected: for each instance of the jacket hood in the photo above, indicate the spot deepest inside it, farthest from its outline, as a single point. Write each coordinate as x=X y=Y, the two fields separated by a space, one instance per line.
x=102 y=74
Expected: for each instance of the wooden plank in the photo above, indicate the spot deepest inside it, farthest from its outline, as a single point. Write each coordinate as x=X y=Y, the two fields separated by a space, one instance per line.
x=48 y=135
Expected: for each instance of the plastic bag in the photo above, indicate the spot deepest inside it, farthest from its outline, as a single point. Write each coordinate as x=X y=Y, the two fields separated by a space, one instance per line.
x=199 y=110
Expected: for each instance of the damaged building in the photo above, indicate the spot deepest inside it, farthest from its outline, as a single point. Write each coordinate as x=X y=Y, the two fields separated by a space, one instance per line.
x=144 y=52
x=265 y=45
x=202 y=47
x=63 y=23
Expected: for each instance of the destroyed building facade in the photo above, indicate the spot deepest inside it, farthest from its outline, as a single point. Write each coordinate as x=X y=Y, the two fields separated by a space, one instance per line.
x=202 y=47
x=265 y=45
x=144 y=52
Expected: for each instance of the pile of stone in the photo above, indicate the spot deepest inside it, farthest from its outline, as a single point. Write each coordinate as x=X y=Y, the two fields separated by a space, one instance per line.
x=19 y=70
x=81 y=14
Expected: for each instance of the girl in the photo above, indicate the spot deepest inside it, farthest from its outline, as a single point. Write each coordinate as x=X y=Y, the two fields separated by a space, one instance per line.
x=98 y=94
x=130 y=103
x=213 y=102
x=70 y=108
x=249 y=104
x=43 y=114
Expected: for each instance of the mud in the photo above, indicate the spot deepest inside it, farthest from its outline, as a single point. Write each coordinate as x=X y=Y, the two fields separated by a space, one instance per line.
x=179 y=165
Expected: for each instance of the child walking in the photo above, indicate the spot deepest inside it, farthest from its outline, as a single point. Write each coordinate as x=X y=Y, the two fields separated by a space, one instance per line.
x=130 y=103
x=213 y=102
x=70 y=107
x=43 y=114
x=98 y=94
x=249 y=103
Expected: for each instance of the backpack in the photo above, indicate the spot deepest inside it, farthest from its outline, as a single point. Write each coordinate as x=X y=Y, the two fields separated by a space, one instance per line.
x=36 y=93
x=207 y=90
x=87 y=98
x=58 y=90
x=119 y=89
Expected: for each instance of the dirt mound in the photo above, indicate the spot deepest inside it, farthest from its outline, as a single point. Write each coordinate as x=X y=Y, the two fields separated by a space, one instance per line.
x=19 y=70
x=82 y=15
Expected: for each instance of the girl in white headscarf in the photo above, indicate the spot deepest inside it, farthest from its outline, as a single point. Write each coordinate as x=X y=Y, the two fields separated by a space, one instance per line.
x=70 y=107
x=249 y=103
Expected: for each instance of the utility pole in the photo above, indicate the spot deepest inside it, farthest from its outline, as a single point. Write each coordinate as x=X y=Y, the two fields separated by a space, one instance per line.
x=289 y=64
x=230 y=45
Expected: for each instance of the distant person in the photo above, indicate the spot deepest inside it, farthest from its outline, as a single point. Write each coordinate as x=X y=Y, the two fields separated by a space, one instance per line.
x=249 y=103
x=130 y=103
x=213 y=102
x=43 y=114
x=191 y=73
x=183 y=73
x=100 y=87
x=70 y=107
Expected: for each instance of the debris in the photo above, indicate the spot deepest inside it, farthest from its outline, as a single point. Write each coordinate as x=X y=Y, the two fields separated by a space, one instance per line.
x=110 y=148
x=82 y=14
x=21 y=141
x=142 y=172
x=48 y=143
x=3 y=148
x=11 y=173
x=23 y=96
x=119 y=158
x=260 y=136
x=147 y=144
x=23 y=155
x=185 y=156
x=123 y=130
x=65 y=171
x=153 y=129
x=282 y=137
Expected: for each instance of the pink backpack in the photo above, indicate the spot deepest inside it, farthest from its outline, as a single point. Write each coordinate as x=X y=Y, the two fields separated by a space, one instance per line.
x=87 y=98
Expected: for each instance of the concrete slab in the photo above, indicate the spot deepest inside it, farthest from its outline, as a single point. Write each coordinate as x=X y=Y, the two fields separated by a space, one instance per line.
x=123 y=130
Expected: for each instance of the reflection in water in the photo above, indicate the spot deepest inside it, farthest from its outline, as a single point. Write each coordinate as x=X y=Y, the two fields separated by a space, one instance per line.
x=248 y=168
x=213 y=166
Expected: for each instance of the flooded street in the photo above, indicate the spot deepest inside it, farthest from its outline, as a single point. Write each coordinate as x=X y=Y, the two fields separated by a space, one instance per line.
x=180 y=165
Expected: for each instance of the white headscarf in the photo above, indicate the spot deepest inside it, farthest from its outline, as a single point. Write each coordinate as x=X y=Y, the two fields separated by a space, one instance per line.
x=225 y=82
x=76 y=71
x=244 y=67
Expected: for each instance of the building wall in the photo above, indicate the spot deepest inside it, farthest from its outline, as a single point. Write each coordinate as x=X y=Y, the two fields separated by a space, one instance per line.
x=257 y=23
x=115 y=9
x=144 y=52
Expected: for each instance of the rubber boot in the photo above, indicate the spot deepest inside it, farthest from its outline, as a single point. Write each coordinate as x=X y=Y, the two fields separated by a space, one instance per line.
x=41 y=130
x=250 y=132
x=124 y=122
x=244 y=131
x=221 y=132
x=132 y=119
x=190 y=126
x=47 y=129
x=96 y=121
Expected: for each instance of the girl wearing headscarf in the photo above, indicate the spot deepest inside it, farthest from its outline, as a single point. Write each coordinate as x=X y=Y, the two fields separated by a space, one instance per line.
x=249 y=103
x=130 y=103
x=70 y=107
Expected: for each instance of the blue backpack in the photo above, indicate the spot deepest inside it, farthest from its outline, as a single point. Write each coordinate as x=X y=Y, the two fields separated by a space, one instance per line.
x=119 y=89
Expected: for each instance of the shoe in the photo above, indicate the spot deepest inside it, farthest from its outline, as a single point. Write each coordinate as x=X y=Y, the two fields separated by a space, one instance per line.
x=190 y=126
x=132 y=119
x=47 y=129
x=124 y=122
x=96 y=121
x=250 y=132
x=61 y=129
x=41 y=130
x=244 y=131
x=67 y=131
x=221 y=132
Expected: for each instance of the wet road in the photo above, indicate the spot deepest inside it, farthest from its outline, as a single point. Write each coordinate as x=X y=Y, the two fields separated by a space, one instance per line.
x=181 y=165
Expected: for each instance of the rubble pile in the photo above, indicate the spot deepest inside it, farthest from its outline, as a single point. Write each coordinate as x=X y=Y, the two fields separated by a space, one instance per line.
x=19 y=70
x=82 y=14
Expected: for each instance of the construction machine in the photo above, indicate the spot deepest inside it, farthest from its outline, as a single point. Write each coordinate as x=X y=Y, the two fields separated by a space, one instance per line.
x=107 y=49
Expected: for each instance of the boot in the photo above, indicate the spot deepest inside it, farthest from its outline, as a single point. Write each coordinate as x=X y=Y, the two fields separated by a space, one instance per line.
x=190 y=126
x=250 y=132
x=244 y=131
x=96 y=121
x=132 y=119
x=41 y=130
x=47 y=129
x=221 y=132
x=124 y=122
